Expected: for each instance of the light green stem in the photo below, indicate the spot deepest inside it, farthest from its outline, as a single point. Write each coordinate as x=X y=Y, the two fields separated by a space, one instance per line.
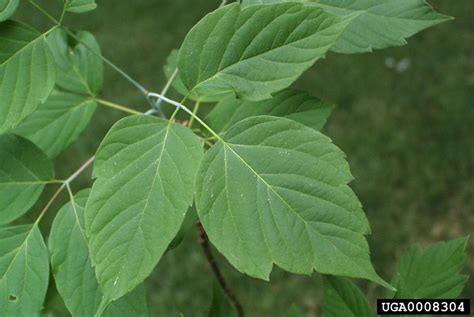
x=116 y=106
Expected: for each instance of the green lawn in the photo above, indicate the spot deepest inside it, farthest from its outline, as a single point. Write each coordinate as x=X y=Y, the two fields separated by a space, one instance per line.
x=408 y=137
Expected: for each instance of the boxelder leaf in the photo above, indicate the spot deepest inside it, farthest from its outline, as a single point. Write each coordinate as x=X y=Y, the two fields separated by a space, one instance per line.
x=79 y=6
x=288 y=103
x=432 y=273
x=145 y=171
x=7 y=8
x=275 y=191
x=73 y=272
x=27 y=73
x=256 y=51
x=78 y=69
x=58 y=122
x=380 y=24
x=24 y=170
x=24 y=271
x=344 y=298
x=170 y=68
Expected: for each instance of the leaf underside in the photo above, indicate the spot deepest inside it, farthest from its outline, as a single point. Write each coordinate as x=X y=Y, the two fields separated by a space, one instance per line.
x=432 y=273
x=344 y=298
x=7 y=8
x=289 y=103
x=78 y=69
x=80 y=6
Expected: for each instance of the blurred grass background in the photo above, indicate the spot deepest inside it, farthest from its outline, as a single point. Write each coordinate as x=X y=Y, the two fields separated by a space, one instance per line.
x=407 y=133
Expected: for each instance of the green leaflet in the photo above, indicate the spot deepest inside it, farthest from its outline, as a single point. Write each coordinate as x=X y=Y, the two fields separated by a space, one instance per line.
x=73 y=273
x=7 y=8
x=256 y=51
x=289 y=103
x=78 y=69
x=58 y=122
x=27 y=72
x=24 y=170
x=344 y=298
x=64 y=115
x=79 y=6
x=145 y=171
x=432 y=273
x=380 y=24
x=24 y=271
x=276 y=192
x=169 y=69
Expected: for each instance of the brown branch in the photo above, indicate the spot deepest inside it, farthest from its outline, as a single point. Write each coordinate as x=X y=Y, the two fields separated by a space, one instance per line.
x=204 y=241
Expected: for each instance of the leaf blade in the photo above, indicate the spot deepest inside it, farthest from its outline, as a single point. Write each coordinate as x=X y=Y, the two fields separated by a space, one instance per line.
x=145 y=170
x=58 y=122
x=256 y=51
x=27 y=73
x=24 y=270
x=344 y=298
x=434 y=273
x=288 y=103
x=380 y=24
x=24 y=170
x=303 y=215
x=73 y=271
x=78 y=69
x=7 y=8
x=171 y=69
x=80 y=6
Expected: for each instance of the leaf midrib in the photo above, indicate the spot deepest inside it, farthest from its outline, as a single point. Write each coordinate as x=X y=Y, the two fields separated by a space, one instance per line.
x=159 y=160
x=19 y=248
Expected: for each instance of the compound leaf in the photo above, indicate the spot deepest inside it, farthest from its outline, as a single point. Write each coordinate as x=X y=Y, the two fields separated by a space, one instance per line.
x=344 y=298
x=432 y=273
x=256 y=51
x=79 y=6
x=289 y=103
x=275 y=191
x=171 y=67
x=24 y=271
x=78 y=69
x=58 y=122
x=24 y=170
x=73 y=271
x=27 y=72
x=145 y=171
x=7 y=8
x=380 y=23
